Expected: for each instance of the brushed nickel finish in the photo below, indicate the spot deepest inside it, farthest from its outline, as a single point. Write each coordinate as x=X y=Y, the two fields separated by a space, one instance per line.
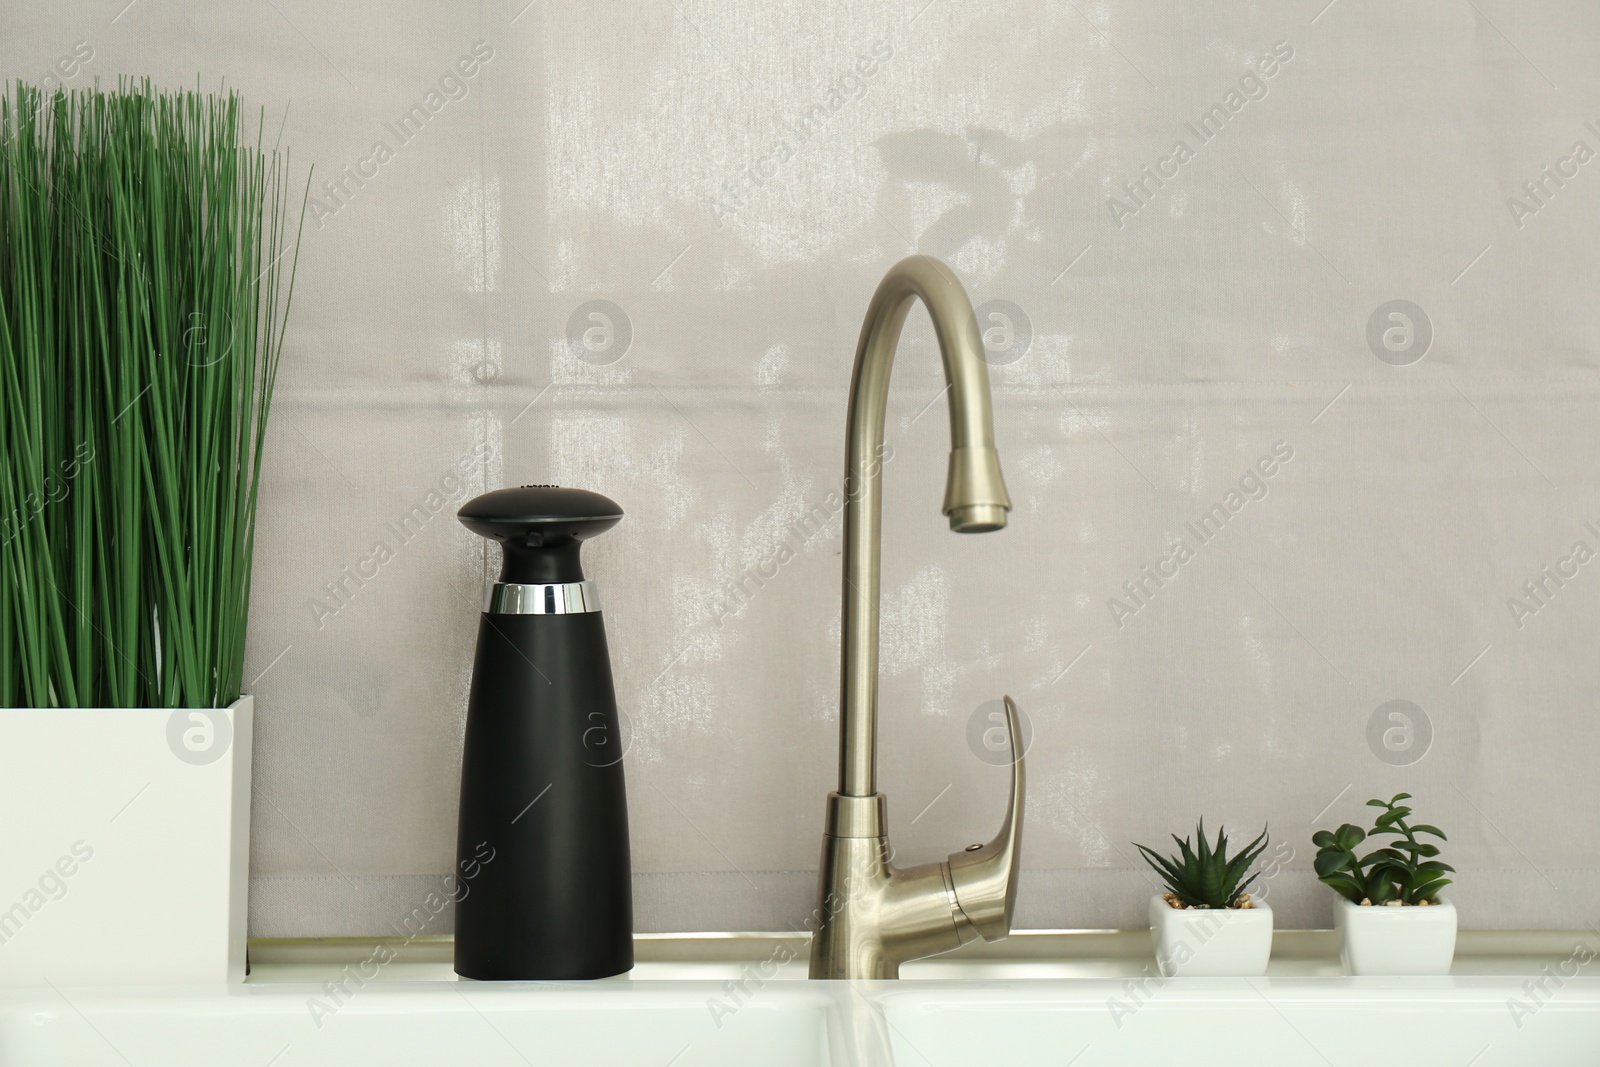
x=871 y=915
x=564 y=598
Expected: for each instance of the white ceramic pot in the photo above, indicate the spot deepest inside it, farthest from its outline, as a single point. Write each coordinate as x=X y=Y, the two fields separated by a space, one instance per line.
x=1210 y=942
x=1377 y=939
x=126 y=855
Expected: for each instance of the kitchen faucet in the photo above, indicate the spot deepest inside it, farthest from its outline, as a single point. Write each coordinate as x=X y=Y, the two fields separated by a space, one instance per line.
x=872 y=916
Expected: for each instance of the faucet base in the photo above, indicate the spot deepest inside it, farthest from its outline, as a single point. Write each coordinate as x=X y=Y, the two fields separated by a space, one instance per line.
x=873 y=916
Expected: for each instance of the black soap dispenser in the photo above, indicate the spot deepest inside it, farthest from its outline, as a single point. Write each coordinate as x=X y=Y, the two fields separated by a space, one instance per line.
x=545 y=879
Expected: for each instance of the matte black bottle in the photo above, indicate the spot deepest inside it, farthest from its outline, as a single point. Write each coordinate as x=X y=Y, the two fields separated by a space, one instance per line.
x=542 y=844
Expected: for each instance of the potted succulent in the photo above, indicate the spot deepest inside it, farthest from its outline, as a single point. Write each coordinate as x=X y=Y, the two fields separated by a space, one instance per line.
x=1390 y=916
x=144 y=284
x=1206 y=924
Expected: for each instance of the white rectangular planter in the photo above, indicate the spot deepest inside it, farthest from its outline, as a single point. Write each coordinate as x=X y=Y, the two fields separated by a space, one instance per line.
x=126 y=848
x=1377 y=939
x=1210 y=942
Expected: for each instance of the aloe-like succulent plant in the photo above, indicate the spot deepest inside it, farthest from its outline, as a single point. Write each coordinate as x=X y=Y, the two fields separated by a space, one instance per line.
x=1204 y=875
x=1403 y=872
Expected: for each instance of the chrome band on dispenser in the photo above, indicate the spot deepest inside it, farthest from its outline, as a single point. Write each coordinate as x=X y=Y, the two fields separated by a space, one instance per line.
x=570 y=598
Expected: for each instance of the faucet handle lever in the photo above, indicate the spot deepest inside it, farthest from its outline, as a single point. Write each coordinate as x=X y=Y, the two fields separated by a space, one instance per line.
x=984 y=878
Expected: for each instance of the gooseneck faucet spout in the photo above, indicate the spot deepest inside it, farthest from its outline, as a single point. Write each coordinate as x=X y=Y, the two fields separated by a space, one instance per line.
x=975 y=494
x=872 y=916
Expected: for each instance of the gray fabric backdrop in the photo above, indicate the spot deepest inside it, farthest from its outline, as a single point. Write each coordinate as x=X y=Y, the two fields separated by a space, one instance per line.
x=733 y=180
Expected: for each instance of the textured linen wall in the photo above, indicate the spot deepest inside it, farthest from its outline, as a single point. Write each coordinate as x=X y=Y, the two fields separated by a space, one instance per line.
x=1175 y=330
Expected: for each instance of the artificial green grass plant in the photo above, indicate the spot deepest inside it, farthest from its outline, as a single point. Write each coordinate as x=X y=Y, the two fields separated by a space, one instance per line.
x=145 y=278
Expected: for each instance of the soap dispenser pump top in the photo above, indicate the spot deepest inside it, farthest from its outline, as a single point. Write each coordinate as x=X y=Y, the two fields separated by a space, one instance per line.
x=540 y=529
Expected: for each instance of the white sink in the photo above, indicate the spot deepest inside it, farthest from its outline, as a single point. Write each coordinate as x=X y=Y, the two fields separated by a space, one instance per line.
x=1284 y=1022
x=679 y=1011
x=422 y=1023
